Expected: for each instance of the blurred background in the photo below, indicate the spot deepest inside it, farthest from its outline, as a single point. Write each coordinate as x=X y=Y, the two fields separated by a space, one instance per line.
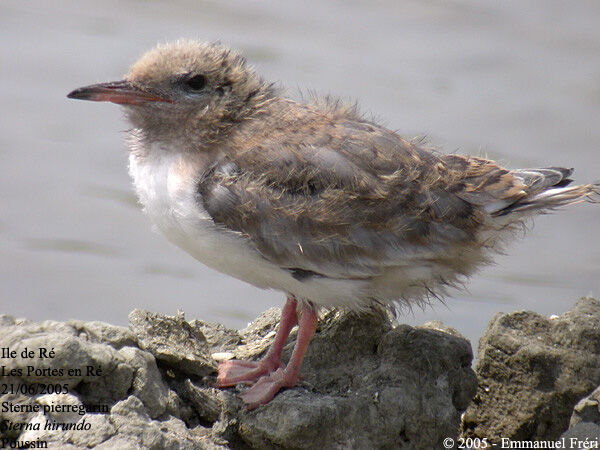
x=518 y=82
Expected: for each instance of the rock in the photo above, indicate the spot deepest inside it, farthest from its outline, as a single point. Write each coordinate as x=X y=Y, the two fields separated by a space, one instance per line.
x=583 y=432
x=101 y=332
x=57 y=355
x=66 y=408
x=173 y=341
x=532 y=371
x=101 y=430
x=587 y=409
x=90 y=367
x=131 y=419
x=367 y=384
x=147 y=385
x=256 y=338
x=208 y=402
x=8 y=416
x=6 y=320
x=585 y=421
x=218 y=337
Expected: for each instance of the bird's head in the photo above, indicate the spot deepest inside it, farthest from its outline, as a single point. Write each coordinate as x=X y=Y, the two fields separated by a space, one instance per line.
x=185 y=87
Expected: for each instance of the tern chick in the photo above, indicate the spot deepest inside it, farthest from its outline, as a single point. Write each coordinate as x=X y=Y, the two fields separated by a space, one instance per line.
x=311 y=199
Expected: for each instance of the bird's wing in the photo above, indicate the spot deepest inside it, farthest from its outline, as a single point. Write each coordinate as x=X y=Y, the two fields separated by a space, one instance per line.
x=347 y=201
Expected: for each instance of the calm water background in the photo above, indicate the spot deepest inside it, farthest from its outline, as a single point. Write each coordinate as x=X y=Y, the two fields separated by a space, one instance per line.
x=517 y=81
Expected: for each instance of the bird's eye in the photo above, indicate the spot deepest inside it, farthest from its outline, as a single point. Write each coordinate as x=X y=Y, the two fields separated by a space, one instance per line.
x=196 y=82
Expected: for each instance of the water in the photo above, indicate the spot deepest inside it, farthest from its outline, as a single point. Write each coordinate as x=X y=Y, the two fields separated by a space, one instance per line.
x=517 y=82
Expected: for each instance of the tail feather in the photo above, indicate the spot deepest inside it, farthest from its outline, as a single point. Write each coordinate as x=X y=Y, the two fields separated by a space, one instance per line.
x=548 y=189
x=538 y=180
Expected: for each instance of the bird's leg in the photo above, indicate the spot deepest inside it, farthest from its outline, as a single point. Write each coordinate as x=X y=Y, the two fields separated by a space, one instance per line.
x=233 y=372
x=267 y=386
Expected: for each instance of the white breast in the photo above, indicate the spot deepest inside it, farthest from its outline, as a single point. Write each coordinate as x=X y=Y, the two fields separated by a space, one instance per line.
x=165 y=185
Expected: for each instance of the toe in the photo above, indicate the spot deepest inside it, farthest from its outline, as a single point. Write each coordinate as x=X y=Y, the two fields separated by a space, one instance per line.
x=261 y=393
x=265 y=389
x=234 y=372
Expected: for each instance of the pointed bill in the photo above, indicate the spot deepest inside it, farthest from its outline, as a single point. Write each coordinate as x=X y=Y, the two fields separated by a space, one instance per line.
x=120 y=92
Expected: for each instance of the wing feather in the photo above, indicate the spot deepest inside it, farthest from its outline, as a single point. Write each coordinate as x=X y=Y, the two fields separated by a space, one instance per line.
x=366 y=201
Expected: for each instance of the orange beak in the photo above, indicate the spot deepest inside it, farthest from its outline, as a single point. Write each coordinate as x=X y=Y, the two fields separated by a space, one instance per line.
x=119 y=92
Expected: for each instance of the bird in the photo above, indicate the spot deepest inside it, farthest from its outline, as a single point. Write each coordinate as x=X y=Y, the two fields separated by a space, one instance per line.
x=309 y=197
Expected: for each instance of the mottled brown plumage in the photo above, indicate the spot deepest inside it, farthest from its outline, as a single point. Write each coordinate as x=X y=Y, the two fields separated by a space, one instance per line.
x=309 y=198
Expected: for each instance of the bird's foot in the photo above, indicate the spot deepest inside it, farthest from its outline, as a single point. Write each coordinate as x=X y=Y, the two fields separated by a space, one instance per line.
x=266 y=387
x=233 y=372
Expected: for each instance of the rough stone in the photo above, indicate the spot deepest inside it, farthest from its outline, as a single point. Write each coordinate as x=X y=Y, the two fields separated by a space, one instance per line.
x=173 y=341
x=218 y=337
x=57 y=354
x=101 y=332
x=584 y=425
x=257 y=337
x=583 y=432
x=587 y=409
x=366 y=384
x=532 y=371
x=369 y=385
x=147 y=384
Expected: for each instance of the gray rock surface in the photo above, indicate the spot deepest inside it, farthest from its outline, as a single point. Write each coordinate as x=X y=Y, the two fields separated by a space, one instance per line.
x=366 y=384
x=587 y=409
x=173 y=341
x=582 y=435
x=532 y=371
x=585 y=420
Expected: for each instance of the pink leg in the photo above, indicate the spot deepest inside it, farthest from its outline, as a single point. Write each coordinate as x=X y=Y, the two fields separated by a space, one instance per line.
x=267 y=386
x=233 y=372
